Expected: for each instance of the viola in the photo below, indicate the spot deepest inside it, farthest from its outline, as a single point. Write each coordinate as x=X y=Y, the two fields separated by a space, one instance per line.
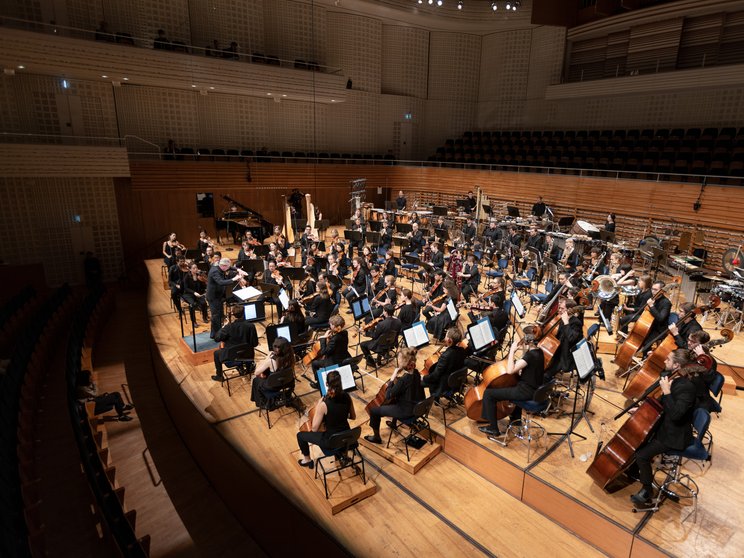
x=372 y=324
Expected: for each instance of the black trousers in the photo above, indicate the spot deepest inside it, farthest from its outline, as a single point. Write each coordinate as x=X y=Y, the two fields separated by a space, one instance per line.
x=395 y=411
x=520 y=392
x=469 y=289
x=221 y=354
x=108 y=401
x=644 y=456
x=194 y=303
x=304 y=439
x=215 y=309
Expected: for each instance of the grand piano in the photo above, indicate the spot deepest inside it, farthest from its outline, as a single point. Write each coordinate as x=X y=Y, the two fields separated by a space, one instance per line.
x=235 y=223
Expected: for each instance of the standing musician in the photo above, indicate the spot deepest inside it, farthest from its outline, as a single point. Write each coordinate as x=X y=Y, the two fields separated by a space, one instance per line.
x=386 y=237
x=237 y=332
x=217 y=280
x=409 y=310
x=538 y=208
x=358 y=284
x=470 y=277
x=441 y=322
x=610 y=223
x=387 y=296
x=194 y=287
x=169 y=250
x=530 y=369
x=570 y=331
x=334 y=411
x=470 y=203
x=389 y=323
x=416 y=240
x=176 y=274
x=334 y=346
x=203 y=243
x=404 y=390
x=451 y=360
x=675 y=429
x=320 y=307
x=281 y=357
x=469 y=231
x=400 y=201
x=492 y=235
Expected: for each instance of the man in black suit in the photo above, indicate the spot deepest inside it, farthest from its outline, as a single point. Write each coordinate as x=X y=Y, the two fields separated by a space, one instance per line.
x=388 y=323
x=334 y=346
x=452 y=359
x=470 y=203
x=400 y=202
x=417 y=241
x=468 y=231
x=492 y=234
x=660 y=310
x=675 y=429
x=237 y=332
x=217 y=281
x=538 y=209
x=682 y=330
x=437 y=257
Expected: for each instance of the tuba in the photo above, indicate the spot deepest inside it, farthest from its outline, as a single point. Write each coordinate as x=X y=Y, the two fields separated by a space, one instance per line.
x=605 y=287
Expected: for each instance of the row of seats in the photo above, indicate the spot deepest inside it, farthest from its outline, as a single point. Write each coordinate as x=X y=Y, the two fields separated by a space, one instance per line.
x=262 y=156
x=20 y=389
x=118 y=524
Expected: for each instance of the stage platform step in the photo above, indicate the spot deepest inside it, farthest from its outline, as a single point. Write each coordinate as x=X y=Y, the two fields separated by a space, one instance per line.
x=396 y=453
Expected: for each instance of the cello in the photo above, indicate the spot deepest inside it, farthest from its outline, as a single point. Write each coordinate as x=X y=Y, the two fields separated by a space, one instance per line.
x=637 y=336
x=654 y=364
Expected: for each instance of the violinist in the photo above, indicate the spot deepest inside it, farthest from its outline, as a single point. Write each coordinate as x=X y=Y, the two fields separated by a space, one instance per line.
x=361 y=228
x=675 y=429
x=334 y=411
x=203 y=243
x=343 y=262
x=409 y=310
x=246 y=252
x=404 y=390
x=333 y=266
x=208 y=255
x=307 y=239
x=376 y=282
x=274 y=237
x=498 y=293
x=217 y=281
x=237 y=332
x=176 y=274
x=294 y=318
x=194 y=289
x=281 y=261
x=250 y=239
x=334 y=346
x=389 y=323
x=416 y=240
x=320 y=307
x=436 y=291
x=272 y=276
x=358 y=284
x=530 y=369
x=368 y=259
x=308 y=285
x=281 y=357
x=169 y=250
x=570 y=331
x=311 y=252
x=387 y=296
x=470 y=277
x=439 y=324
x=389 y=264
x=451 y=360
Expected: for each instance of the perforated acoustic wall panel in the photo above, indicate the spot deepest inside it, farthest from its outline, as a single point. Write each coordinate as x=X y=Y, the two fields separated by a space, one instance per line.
x=454 y=64
x=405 y=60
x=293 y=125
x=241 y=21
x=352 y=126
x=355 y=44
x=39 y=225
x=393 y=109
x=295 y=30
x=229 y=121
x=83 y=14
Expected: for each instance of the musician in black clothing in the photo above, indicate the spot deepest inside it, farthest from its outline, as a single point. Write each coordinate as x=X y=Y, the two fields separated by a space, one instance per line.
x=203 y=243
x=389 y=323
x=320 y=307
x=237 y=332
x=217 y=281
x=246 y=252
x=176 y=274
x=334 y=346
x=610 y=223
x=530 y=369
x=660 y=310
x=469 y=231
x=675 y=429
x=358 y=282
x=194 y=290
x=359 y=227
x=409 y=312
x=538 y=209
x=491 y=235
x=436 y=291
x=534 y=241
x=309 y=284
x=470 y=277
x=696 y=344
x=400 y=201
x=208 y=255
x=386 y=238
x=390 y=268
x=634 y=312
x=437 y=256
x=376 y=281
x=682 y=330
x=570 y=331
x=388 y=296
x=404 y=390
x=272 y=276
x=470 y=203
x=307 y=238
x=451 y=360
x=416 y=240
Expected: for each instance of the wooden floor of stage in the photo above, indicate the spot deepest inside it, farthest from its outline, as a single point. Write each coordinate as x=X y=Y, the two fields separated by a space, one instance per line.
x=477 y=497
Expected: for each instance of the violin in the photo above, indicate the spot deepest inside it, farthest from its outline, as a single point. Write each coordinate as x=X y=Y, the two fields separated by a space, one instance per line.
x=201 y=276
x=371 y=325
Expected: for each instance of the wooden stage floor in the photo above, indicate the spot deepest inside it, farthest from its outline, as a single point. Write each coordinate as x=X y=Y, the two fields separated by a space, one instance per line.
x=476 y=497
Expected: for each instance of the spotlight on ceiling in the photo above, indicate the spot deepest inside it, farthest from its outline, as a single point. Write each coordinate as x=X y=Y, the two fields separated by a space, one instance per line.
x=459 y=5
x=494 y=6
x=440 y=2
x=431 y=2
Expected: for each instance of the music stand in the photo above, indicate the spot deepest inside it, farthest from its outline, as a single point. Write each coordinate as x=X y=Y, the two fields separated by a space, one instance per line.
x=404 y=228
x=375 y=225
x=411 y=260
x=373 y=237
x=270 y=291
x=439 y=210
x=565 y=222
x=348 y=224
x=278 y=330
x=442 y=233
x=402 y=243
x=512 y=211
x=261 y=251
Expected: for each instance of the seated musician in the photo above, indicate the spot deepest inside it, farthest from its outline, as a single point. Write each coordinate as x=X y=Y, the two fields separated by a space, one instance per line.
x=332 y=411
x=237 y=332
x=249 y=238
x=596 y=265
x=492 y=235
x=176 y=274
x=194 y=293
x=283 y=246
x=451 y=360
x=513 y=237
x=333 y=267
x=320 y=307
x=530 y=368
x=404 y=390
x=534 y=241
x=538 y=208
x=570 y=331
x=386 y=237
x=675 y=429
x=389 y=323
x=344 y=263
x=696 y=344
x=246 y=252
x=274 y=237
x=634 y=312
x=409 y=312
x=416 y=241
x=272 y=276
x=623 y=277
x=436 y=292
x=308 y=285
x=359 y=227
x=376 y=281
x=439 y=324
x=660 y=310
x=437 y=257
x=682 y=330
x=390 y=268
x=550 y=249
x=203 y=243
x=414 y=218
x=570 y=257
x=388 y=296
x=307 y=239
x=334 y=346
x=470 y=277
x=400 y=201
x=439 y=225
x=294 y=318
x=469 y=231
x=368 y=259
x=498 y=293
x=281 y=357
x=208 y=255
x=358 y=284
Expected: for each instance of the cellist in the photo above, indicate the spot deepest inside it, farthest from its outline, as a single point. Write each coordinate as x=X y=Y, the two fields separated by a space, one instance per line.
x=675 y=428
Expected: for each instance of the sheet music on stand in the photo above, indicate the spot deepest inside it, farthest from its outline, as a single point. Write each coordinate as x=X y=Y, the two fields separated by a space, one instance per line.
x=246 y=293
x=416 y=335
x=284 y=298
x=347 y=378
x=517 y=304
x=452 y=310
x=584 y=359
x=481 y=334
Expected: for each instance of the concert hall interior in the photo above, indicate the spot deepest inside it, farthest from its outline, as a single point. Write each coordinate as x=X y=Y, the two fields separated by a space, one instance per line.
x=371 y=277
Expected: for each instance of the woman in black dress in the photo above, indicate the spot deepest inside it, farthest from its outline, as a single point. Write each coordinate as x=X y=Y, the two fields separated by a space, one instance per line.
x=280 y=357
x=333 y=411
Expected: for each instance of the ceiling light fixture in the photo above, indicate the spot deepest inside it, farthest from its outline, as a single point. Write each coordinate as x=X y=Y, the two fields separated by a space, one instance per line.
x=459 y=5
